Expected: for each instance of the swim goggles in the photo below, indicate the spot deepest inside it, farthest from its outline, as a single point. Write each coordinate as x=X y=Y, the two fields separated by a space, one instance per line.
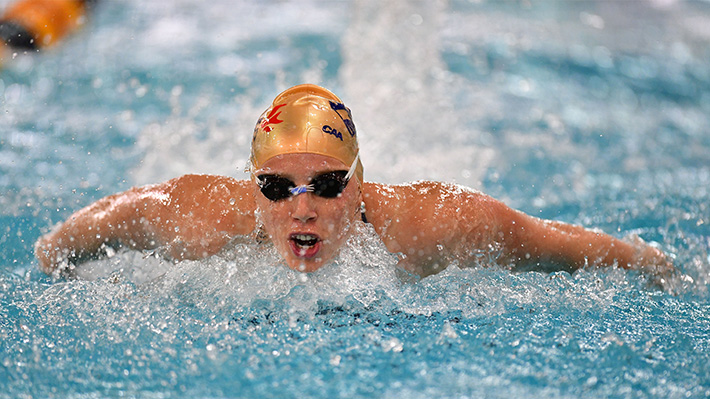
x=326 y=185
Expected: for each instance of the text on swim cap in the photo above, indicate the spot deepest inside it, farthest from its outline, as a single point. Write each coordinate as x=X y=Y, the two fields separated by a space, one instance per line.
x=334 y=132
x=347 y=121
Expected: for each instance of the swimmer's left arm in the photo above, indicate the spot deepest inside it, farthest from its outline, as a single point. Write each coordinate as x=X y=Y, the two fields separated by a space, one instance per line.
x=433 y=224
x=533 y=242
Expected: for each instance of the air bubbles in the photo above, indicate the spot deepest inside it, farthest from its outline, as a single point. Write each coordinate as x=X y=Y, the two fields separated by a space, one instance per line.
x=602 y=57
x=176 y=91
x=448 y=332
x=416 y=19
x=141 y=91
x=211 y=351
x=392 y=344
x=13 y=94
x=592 y=20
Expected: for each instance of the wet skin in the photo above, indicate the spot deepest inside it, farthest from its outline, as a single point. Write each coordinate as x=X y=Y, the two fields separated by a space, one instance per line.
x=430 y=224
x=307 y=230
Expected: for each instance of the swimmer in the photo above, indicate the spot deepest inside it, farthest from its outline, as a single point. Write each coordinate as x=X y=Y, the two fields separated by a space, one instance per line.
x=306 y=194
x=31 y=25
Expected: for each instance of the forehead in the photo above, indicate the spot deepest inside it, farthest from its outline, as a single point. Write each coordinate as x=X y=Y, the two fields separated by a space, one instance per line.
x=301 y=163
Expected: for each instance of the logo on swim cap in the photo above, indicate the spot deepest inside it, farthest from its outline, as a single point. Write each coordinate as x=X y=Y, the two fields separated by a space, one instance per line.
x=271 y=119
x=306 y=119
x=349 y=121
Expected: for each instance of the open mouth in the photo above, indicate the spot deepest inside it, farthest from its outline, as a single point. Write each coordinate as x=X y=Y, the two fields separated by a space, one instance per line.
x=305 y=245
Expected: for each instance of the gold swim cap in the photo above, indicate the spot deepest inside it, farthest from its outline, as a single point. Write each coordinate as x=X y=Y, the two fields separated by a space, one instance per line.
x=306 y=119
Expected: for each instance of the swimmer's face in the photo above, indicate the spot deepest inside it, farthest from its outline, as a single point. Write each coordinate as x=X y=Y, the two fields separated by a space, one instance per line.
x=306 y=229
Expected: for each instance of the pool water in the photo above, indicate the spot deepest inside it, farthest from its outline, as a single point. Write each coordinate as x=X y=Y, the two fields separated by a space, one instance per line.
x=593 y=113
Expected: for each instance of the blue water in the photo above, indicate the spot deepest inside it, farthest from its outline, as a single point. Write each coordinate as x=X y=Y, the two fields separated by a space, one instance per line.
x=593 y=113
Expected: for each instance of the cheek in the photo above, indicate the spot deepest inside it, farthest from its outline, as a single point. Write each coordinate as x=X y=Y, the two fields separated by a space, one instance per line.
x=341 y=216
x=270 y=215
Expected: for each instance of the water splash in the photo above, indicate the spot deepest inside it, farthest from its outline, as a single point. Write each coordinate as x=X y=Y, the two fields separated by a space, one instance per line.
x=243 y=316
x=402 y=96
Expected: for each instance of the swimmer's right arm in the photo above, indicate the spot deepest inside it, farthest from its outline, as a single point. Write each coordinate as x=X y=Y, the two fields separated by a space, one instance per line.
x=189 y=217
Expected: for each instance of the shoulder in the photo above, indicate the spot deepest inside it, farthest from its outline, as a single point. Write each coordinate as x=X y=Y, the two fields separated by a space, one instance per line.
x=201 y=188
x=193 y=188
x=195 y=182
x=428 y=221
x=209 y=199
x=419 y=193
x=423 y=203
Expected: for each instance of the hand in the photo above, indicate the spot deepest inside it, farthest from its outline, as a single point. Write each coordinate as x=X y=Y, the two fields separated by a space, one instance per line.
x=654 y=261
x=48 y=254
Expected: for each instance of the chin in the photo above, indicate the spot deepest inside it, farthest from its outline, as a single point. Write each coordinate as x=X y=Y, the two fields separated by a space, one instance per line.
x=305 y=266
x=308 y=262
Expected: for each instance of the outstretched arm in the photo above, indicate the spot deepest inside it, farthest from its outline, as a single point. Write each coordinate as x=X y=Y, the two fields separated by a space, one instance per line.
x=189 y=217
x=432 y=224
x=531 y=241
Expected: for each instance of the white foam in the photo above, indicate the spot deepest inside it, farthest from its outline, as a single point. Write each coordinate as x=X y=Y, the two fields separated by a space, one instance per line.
x=363 y=273
x=402 y=98
x=246 y=272
x=178 y=145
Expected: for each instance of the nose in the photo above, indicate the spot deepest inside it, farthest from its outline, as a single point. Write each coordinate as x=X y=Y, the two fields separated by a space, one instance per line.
x=303 y=208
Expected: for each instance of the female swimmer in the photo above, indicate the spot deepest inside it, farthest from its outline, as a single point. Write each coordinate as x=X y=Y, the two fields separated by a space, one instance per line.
x=305 y=194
